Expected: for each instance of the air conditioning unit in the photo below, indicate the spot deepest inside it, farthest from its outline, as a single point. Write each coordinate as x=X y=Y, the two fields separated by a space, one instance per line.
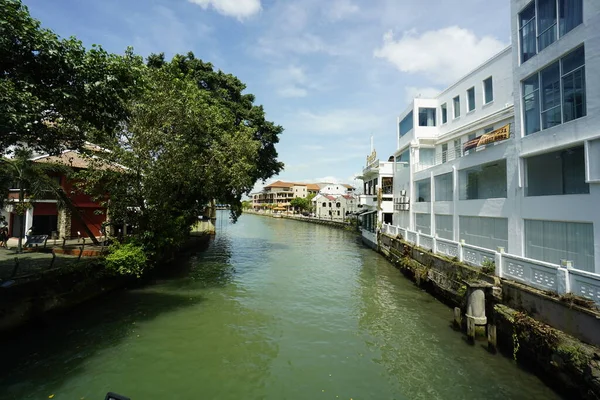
x=403 y=193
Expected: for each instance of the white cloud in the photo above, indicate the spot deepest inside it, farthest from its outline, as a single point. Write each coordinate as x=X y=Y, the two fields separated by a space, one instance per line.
x=425 y=92
x=340 y=9
x=239 y=9
x=290 y=81
x=443 y=55
x=336 y=122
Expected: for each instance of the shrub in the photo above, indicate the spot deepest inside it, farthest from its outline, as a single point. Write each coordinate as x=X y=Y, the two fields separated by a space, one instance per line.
x=488 y=267
x=126 y=259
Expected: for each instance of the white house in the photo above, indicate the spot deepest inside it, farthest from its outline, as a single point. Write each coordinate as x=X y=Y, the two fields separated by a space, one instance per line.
x=334 y=207
x=509 y=156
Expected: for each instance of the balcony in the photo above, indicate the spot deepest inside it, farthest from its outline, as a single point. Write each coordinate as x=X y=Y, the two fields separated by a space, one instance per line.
x=367 y=200
x=440 y=158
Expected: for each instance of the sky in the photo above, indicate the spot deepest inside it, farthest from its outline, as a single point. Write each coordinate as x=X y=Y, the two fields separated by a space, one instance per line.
x=333 y=73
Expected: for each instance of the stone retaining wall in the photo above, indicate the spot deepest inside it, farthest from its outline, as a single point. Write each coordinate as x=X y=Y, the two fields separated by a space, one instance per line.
x=570 y=365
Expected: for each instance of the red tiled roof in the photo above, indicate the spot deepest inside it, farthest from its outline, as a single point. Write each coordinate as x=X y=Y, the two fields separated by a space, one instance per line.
x=279 y=184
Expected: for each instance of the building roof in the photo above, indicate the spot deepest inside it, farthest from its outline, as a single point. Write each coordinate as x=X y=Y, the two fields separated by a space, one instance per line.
x=313 y=186
x=280 y=184
x=348 y=197
x=348 y=186
x=74 y=159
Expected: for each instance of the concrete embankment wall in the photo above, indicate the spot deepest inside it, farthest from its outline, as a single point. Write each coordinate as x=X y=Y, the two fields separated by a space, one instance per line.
x=37 y=298
x=556 y=338
x=334 y=224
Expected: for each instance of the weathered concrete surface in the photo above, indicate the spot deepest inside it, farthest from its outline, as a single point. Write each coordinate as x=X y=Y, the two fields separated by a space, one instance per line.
x=334 y=224
x=565 y=362
x=582 y=323
x=562 y=361
x=54 y=290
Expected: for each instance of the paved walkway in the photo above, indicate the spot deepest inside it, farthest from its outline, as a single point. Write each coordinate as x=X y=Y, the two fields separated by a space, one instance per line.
x=32 y=262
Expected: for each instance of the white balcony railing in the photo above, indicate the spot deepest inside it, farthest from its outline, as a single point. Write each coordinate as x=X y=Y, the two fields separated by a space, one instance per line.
x=535 y=273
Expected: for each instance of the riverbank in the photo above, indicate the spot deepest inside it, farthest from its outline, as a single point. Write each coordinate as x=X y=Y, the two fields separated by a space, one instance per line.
x=555 y=339
x=312 y=220
x=62 y=285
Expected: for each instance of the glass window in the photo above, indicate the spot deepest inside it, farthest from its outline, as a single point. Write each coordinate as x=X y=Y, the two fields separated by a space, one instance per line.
x=531 y=106
x=423 y=191
x=457 y=148
x=404 y=156
x=546 y=19
x=444 y=152
x=443 y=187
x=550 y=84
x=566 y=169
x=444 y=226
x=471 y=99
x=444 y=110
x=485 y=181
x=426 y=116
x=488 y=129
x=488 y=90
x=427 y=157
x=527 y=32
x=456 y=106
x=423 y=223
x=489 y=233
x=570 y=14
x=406 y=124
x=553 y=241
x=562 y=97
x=573 y=85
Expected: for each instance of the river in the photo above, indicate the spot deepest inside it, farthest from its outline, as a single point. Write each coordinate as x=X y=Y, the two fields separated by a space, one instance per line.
x=273 y=309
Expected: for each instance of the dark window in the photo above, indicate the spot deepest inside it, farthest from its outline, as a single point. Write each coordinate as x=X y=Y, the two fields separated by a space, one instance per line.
x=557 y=173
x=406 y=124
x=488 y=90
x=444 y=110
x=471 y=99
x=527 y=32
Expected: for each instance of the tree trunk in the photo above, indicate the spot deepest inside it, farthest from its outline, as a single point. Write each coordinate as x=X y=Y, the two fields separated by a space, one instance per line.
x=22 y=217
x=75 y=212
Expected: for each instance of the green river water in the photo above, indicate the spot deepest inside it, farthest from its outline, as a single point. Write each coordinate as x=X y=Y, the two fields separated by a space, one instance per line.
x=273 y=309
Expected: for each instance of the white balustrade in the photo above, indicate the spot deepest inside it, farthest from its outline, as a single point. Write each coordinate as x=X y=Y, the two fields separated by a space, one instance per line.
x=447 y=247
x=585 y=284
x=539 y=274
x=426 y=241
x=476 y=255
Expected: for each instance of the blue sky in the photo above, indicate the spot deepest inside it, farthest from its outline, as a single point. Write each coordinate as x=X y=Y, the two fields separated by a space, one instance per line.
x=331 y=72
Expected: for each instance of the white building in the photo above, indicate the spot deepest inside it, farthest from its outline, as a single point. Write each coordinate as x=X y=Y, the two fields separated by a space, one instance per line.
x=509 y=156
x=378 y=185
x=334 y=207
x=337 y=188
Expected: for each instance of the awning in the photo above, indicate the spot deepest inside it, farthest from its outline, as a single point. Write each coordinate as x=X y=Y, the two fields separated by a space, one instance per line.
x=367 y=212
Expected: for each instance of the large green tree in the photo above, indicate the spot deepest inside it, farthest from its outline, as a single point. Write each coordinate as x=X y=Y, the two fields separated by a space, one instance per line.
x=55 y=94
x=228 y=91
x=180 y=148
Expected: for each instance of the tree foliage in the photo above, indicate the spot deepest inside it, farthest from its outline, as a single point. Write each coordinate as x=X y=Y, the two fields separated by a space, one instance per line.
x=301 y=203
x=174 y=135
x=55 y=94
x=181 y=148
x=228 y=90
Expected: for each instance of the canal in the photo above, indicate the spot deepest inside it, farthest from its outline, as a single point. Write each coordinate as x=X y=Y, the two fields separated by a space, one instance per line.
x=273 y=309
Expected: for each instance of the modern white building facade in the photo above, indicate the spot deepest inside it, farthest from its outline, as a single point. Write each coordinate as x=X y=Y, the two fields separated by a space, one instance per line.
x=509 y=156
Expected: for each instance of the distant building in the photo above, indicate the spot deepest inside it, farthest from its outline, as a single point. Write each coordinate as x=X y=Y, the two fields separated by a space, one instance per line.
x=278 y=195
x=47 y=217
x=334 y=207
